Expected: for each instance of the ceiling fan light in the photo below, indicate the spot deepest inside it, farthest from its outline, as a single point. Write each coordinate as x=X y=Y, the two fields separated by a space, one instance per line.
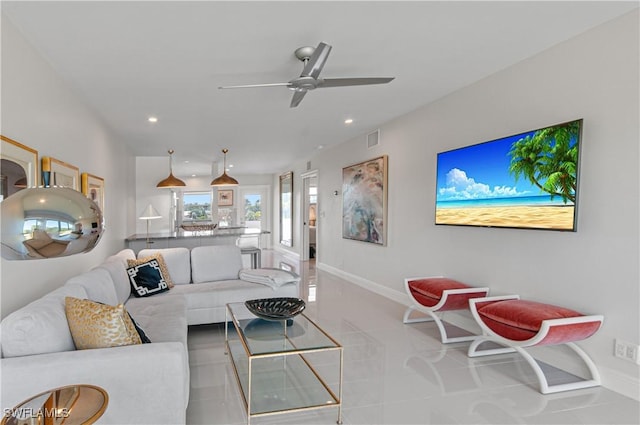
x=224 y=179
x=171 y=181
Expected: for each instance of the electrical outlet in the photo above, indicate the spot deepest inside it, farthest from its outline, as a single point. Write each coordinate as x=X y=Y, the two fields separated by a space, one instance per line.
x=626 y=350
x=632 y=352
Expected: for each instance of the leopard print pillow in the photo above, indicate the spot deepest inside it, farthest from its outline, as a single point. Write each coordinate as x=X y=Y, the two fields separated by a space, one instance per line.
x=96 y=325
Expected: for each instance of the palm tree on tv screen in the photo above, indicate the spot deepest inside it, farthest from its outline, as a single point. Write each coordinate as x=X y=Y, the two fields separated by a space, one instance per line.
x=548 y=159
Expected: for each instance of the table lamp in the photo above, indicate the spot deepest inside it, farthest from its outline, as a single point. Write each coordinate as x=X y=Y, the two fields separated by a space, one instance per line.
x=149 y=213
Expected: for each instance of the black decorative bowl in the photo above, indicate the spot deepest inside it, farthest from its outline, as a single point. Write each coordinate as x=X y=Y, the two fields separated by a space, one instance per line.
x=276 y=308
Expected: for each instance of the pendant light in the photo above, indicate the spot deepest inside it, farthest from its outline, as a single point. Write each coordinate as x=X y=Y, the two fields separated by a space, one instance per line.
x=171 y=181
x=224 y=179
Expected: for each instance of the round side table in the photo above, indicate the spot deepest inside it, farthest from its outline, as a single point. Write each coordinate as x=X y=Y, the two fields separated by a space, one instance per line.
x=71 y=405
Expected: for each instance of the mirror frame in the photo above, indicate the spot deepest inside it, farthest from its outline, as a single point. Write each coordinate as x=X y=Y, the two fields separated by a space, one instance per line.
x=286 y=208
x=24 y=156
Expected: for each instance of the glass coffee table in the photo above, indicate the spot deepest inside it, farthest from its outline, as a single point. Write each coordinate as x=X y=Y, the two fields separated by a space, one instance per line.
x=283 y=366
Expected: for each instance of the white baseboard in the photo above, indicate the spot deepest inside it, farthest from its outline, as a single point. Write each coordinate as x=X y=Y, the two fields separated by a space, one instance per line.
x=611 y=379
x=620 y=383
x=399 y=297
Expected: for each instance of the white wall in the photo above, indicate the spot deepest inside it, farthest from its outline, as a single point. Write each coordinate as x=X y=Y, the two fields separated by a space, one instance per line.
x=40 y=111
x=595 y=270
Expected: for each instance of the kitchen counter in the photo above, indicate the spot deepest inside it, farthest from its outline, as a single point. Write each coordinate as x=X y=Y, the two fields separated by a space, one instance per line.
x=241 y=236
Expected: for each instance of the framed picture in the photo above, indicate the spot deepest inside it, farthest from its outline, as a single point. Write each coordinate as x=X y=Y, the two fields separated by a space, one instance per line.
x=59 y=173
x=364 y=201
x=225 y=198
x=93 y=188
x=18 y=166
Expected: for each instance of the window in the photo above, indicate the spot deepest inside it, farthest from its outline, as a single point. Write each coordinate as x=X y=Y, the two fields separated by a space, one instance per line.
x=53 y=227
x=196 y=206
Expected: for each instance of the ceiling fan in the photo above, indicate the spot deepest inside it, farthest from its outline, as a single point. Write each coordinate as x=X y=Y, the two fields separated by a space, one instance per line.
x=314 y=59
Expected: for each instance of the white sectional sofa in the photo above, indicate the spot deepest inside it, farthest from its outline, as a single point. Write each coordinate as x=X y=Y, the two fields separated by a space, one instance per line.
x=146 y=383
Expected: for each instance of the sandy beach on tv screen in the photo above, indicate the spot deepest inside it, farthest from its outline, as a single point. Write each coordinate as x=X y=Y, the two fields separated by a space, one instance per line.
x=549 y=217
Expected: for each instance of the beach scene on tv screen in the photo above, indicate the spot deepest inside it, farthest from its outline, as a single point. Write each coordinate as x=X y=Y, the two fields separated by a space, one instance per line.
x=528 y=180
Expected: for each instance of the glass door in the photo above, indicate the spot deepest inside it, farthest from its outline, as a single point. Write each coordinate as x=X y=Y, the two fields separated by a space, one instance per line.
x=253 y=214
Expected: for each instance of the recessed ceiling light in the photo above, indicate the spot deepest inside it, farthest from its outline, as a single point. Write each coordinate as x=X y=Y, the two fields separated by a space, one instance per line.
x=348 y=121
x=230 y=165
x=193 y=175
x=153 y=119
x=320 y=146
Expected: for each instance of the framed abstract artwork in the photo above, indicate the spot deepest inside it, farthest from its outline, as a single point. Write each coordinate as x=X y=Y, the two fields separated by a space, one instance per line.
x=93 y=188
x=364 y=201
x=18 y=166
x=59 y=173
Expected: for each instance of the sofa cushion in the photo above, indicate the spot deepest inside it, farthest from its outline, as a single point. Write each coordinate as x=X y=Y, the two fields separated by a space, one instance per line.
x=147 y=279
x=164 y=318
x=98 y=284
x=141 y=333
x=215 y=262
x=117 y=268
x=97 y=325
x=206 y=302
x=520 y=320
x=41 y=326
x=177 y=261
x=163 y=266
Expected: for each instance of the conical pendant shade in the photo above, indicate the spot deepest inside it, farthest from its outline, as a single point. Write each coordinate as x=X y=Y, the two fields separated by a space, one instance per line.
x=171 y=181
x=224 y=179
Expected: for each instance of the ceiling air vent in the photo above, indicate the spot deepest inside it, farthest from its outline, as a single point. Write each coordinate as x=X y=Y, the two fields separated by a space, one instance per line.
x=373 y=138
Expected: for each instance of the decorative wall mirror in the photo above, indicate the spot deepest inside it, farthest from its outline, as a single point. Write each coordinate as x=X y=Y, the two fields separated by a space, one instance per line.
x=48 y=222
x=40 y=222
x=286 y=209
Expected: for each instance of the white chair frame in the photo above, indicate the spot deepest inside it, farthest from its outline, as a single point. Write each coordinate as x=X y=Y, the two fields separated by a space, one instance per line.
x=510 y=346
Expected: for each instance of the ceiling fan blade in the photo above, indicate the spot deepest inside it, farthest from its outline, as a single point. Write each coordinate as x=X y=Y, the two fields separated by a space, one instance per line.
x=246 y=86
x=316 y=61
x=343 y=82
x=297 y=98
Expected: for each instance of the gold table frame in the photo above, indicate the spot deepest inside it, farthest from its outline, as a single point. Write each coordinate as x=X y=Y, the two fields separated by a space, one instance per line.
x=80 y=403
x=290 y=352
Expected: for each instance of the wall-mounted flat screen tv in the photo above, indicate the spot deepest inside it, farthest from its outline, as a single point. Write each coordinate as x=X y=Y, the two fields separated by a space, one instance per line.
x=529 y=180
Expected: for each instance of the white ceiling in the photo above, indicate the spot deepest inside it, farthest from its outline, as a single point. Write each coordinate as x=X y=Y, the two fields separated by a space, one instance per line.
x=132 y=60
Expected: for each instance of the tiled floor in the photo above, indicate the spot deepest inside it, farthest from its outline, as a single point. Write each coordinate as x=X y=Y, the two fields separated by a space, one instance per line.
x=396 y=373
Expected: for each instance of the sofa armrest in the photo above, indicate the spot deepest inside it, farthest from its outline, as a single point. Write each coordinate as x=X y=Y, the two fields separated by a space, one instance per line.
x=147 y=384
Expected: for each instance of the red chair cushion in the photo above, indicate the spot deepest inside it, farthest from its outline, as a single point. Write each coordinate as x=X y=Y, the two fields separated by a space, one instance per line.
x=520 y=320
x=429 y=291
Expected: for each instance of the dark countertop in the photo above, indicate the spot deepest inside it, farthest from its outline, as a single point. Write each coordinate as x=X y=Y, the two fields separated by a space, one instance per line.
x=182 y=234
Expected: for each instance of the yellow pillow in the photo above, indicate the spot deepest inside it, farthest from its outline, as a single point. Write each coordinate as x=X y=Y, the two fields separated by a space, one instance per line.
x=161 y=264
x=95 y=325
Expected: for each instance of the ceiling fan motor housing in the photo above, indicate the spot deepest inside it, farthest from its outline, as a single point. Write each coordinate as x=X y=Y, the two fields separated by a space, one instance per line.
x=304 y=83
x=304 y=53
